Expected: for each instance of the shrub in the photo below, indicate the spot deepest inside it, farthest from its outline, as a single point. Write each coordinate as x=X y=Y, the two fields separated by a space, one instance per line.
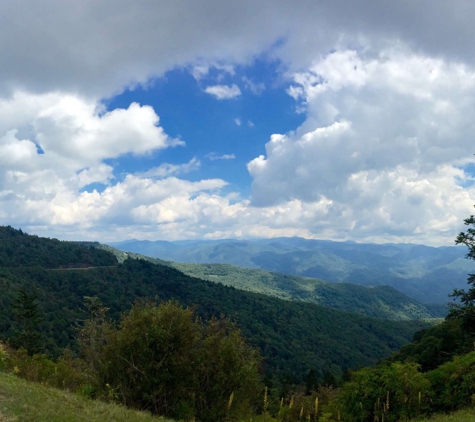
x=67 y=373
x=163 y=359
x=395 y=392
x=453 y=383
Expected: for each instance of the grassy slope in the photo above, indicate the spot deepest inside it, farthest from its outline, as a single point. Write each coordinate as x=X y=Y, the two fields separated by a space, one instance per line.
x=379 y=302
x=24 y=401
x=467 y=415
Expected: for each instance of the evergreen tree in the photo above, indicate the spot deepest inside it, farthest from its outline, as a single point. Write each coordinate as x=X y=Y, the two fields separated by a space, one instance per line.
x=311 y=383
x=329 y=380
x=27 y=319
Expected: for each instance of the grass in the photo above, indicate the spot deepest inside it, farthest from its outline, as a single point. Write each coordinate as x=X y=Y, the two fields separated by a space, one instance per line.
x=25 y=401
x=467 y=415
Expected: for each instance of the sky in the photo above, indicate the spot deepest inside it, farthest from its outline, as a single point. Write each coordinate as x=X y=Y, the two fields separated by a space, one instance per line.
x=331 y=119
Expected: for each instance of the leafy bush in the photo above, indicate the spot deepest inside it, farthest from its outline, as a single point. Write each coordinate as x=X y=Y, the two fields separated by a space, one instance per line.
x=390 y=393
x=453 y=383
x=67 y=373
x=164 y=359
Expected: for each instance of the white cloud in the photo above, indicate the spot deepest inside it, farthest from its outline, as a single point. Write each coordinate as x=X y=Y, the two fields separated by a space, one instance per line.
x=201 y=69
x=213 y=156
x=380 y=156
x=223 y=92
x=166 y=169
x=237 y=121
x=255 y=88
x=385 y=142
x=75 y=136
x=250 y=124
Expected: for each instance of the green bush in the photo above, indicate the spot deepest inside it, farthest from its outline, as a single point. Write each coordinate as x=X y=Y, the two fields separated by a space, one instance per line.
x=67 y=373
x=453 y=383
x=395 y=392
x=165 y=360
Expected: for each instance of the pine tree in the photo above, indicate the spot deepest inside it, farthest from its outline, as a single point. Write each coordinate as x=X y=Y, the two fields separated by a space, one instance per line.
x=311 y=383
x=27 y=319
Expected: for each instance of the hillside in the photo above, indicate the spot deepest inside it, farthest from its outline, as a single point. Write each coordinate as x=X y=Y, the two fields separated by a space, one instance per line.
x=379 y=302
x=18 y=249
x=292 y=336
x=21 y=400
x=424 y=273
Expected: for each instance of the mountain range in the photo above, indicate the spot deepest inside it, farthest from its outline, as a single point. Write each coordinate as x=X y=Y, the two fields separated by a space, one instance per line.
x=292 y=336
x=424 y=273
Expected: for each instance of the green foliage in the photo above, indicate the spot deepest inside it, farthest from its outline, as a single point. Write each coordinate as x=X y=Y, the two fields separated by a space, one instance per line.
x=18 y=249
x=453 y=384
x=390 y=393
x=66 y=373
x=423 y=273
x=379 y=302
x=434 y=346
x=465 y=310
x=408 y=392
x=27 y=317
x=165 y=360
x=311 y=383
x=293 y=337
x=466 y=415
x=21 y=400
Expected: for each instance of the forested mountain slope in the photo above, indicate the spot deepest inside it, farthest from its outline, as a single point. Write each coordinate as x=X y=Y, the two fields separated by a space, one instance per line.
x=424 y=273
x=292 y=336
x=382 y=302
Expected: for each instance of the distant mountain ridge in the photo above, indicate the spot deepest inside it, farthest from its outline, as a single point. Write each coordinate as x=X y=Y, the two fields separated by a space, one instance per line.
x=382 y=302
x=293 y=337
x=424 y=273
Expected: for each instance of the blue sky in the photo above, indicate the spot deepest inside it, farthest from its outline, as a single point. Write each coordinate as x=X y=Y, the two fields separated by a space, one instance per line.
x=213 y=128
x=341 y=120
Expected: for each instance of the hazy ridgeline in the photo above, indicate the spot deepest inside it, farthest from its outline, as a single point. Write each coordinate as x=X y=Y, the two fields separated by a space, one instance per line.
x=424 y=273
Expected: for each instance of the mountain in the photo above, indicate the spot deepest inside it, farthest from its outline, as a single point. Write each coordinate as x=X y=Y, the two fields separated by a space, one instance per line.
x=382 y=302
x=426 y=274
x=293 y=337
x=379 y=302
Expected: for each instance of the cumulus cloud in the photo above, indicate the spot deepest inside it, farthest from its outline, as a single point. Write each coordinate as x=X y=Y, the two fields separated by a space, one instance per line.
x=385 y=141
x=223 y=92
x=52 y=145
x=382 y=155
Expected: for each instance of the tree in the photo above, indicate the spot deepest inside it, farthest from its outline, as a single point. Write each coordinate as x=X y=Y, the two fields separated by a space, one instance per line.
x=165 y=360
x=465 y=309
x=94 y=334
x=27 y=319
x=329 y=380
x=311 y=383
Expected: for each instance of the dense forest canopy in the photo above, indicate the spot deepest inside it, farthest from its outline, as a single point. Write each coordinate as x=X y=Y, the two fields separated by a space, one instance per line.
x=292 y=337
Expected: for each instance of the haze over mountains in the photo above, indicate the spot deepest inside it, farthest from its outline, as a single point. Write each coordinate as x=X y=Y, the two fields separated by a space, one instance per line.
x=427 y=274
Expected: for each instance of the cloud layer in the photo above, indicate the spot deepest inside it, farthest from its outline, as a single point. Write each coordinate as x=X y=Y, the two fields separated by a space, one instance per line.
x=98 y=48
x=386 y=142
x=384 y=153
